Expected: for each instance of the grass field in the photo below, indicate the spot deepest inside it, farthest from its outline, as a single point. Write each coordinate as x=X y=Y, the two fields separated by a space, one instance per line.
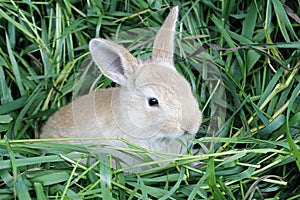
x=241 y=58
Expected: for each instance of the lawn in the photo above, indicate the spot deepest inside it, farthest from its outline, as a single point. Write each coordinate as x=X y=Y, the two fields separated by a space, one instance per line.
x=240 y=57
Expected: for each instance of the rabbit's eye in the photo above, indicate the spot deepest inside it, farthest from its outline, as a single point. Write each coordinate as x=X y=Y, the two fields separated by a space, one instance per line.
x=153 y=102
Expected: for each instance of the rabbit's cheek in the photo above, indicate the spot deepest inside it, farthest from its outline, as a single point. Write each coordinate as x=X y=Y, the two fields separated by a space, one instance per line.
x=137 y=113
x=135 y=120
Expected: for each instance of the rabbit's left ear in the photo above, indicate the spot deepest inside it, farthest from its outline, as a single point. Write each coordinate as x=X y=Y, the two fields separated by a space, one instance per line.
x=112 y=59
x=163 y=48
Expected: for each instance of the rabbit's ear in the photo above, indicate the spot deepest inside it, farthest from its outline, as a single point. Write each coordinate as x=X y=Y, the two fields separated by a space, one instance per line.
x=113 y=60
x=163 y=47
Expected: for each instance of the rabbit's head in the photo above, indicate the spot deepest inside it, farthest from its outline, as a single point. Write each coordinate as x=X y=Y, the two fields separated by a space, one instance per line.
x=154 y=100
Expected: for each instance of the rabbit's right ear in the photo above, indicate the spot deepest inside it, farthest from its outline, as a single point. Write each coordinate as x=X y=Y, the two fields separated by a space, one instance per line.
x=113 y=60
x=163 y=48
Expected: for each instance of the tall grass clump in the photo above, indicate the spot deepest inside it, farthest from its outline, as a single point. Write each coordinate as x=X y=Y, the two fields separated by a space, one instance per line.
x=241 y=58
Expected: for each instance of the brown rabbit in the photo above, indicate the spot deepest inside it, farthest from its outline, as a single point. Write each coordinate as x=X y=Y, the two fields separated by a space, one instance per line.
x=153 y=106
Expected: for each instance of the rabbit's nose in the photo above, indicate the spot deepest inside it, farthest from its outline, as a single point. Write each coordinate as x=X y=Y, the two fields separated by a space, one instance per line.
x=192 y=130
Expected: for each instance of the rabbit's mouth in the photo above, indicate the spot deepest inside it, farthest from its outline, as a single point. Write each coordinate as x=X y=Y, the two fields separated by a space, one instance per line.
x=163 y=140
x=166 y=140
x=171 y=134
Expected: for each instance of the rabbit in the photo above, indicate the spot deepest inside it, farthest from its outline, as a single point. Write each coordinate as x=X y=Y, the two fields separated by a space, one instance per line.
x=153 y=105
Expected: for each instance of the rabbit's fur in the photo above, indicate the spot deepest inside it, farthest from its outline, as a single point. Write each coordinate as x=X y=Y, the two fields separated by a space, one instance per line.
x=153 y=106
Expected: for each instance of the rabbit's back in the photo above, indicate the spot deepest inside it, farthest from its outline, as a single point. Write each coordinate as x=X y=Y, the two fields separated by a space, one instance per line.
x=88 y=116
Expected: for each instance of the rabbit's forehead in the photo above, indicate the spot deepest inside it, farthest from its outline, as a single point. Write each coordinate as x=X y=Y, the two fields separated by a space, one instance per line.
x=162 y=77
x=161 y=74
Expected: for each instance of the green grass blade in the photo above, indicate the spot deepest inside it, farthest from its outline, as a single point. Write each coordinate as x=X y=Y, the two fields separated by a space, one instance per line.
x=176 y=186
x=5 y=94
x=38 y=187
x=22 y=189
x=105 y=176
x=16 y=24
x=294 y=149
x=15 y=67
x=250 y=22
x=283 y=20
x=211 y=180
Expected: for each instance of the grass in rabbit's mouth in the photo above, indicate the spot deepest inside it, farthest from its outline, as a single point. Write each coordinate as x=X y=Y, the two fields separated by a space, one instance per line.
x=241 y=58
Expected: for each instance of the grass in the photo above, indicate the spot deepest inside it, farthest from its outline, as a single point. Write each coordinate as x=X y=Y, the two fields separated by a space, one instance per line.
x=241 y=58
